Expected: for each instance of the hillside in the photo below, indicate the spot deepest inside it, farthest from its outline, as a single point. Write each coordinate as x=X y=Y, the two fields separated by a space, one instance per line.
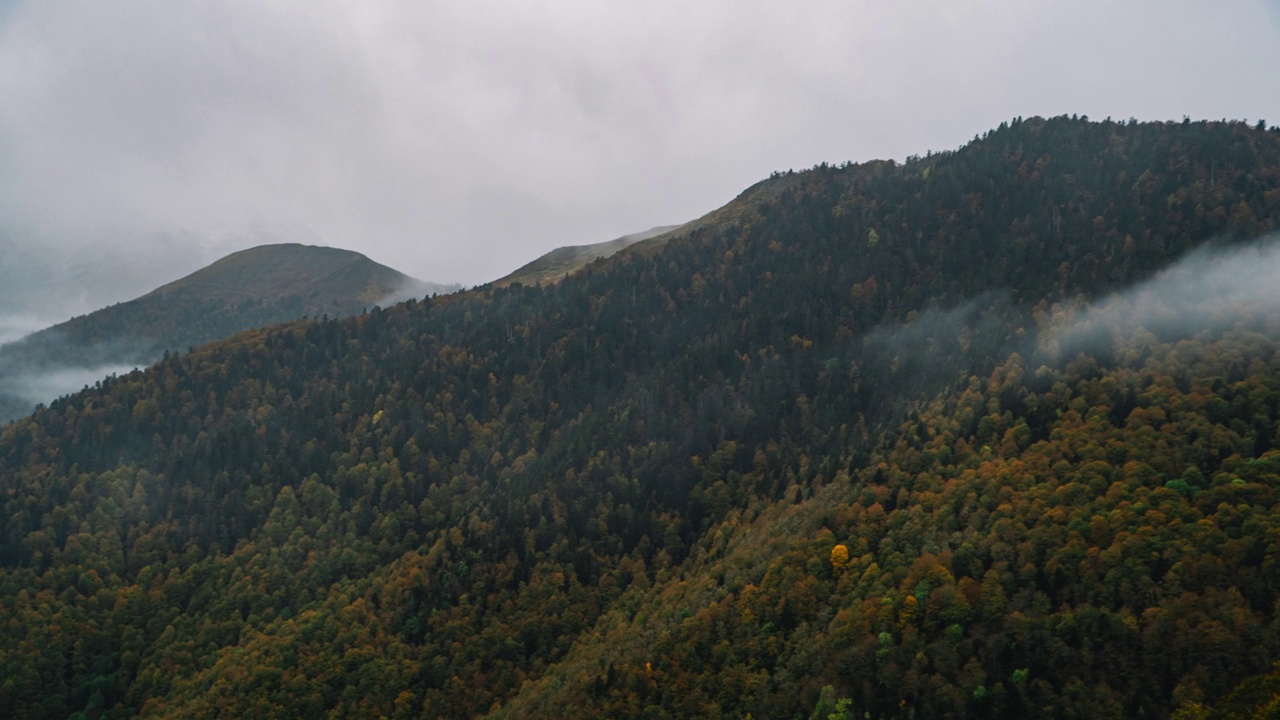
x=877 y=439
x=252 y=288
x=563 y=261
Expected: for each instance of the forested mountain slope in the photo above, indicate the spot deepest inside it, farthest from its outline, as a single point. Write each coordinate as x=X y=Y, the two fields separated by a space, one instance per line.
x=252 y=288
x=848 y=435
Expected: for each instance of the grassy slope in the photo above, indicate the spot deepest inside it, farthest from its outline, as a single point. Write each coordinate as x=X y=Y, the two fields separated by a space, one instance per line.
x=563 y=261
x=325 y=276
x=251 y=288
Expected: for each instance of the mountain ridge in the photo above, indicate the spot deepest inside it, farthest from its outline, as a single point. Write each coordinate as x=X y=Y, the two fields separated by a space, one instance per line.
x=275 y=268
x=569 y=259
x=564 y=261
x=817 y=451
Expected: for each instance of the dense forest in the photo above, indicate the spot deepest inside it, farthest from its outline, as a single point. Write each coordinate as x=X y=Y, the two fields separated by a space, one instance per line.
x=851 y=447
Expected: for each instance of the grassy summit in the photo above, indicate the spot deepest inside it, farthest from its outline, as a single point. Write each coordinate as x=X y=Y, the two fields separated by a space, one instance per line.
x=261 y=286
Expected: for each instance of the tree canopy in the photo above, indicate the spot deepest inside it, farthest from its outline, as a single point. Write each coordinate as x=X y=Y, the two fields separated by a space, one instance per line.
x=702 y=479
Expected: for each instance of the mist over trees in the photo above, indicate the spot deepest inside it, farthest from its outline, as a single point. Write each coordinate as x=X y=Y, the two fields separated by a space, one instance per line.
x=625 y=494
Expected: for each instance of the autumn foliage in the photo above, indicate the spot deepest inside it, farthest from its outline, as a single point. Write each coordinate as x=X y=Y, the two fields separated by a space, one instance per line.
x=768 y=468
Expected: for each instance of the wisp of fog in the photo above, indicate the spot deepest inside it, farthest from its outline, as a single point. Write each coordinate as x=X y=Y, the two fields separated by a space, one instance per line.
x=21 y=392
x=1210 y=287
x=51 y=384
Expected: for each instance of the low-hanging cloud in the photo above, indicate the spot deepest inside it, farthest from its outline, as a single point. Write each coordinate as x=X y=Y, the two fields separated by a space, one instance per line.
x=22 y=391
x=52 y=384
x=45 y=365
x=1211 y=287
x=941 y=346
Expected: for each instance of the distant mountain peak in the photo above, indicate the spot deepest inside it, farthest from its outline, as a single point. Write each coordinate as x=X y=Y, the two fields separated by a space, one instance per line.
x=325 y=273
x=569 y=259
x=259 y=286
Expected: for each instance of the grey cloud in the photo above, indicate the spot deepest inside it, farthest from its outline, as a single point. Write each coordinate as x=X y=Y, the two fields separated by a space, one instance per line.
x=41 y=387
x=21 y=392
x=1212 y=287
x=942 y=345
x=455 y=141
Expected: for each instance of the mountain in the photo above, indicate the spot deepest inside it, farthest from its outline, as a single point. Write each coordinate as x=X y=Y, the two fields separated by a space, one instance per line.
x=989 y=433
x=251 y=288
x=563 y=261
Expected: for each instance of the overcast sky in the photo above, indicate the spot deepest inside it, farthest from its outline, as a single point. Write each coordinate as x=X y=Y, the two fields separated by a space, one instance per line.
x=458 y=140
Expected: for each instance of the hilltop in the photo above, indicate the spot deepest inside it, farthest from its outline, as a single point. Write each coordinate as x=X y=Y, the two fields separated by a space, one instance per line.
x=252 y=288
x=866 y=441
x=323 y=277
x=564 y=261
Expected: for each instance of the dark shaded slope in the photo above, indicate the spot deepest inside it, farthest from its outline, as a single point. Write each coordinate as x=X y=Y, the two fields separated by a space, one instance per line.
x=425 y=509
x=252 y=288
x=1090 y=540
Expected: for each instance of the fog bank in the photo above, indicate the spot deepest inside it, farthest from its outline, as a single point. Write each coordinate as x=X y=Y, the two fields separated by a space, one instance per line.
x=1209 y=288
